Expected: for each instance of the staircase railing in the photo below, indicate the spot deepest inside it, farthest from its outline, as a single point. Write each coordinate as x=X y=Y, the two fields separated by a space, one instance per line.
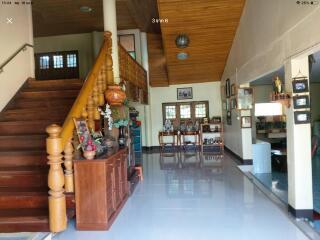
x=60 y=147
x=134 y=75
x=59 y=142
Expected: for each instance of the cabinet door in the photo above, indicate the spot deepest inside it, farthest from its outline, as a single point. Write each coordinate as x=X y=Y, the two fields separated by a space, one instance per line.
x=118 y=187
x=110 y=190
x=124 y=171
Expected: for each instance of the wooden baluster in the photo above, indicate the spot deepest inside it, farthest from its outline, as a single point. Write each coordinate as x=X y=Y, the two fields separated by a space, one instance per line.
x=57 y=199
x=68 y=163
x=95 y=97
x=84 y=113
x=90 y=109
x=109 y=63
x=101 y=88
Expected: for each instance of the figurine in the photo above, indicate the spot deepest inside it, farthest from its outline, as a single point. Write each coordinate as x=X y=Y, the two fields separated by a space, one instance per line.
x=277 y=85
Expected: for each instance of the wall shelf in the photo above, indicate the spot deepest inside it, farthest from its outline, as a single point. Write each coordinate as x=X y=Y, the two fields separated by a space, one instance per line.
x=283 y=98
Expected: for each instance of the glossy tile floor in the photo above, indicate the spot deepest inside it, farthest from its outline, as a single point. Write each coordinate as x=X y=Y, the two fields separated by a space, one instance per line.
x=189 y=197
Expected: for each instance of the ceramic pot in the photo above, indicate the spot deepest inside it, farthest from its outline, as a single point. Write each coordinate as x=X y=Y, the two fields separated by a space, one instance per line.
x=89 y=155
x=114 y=95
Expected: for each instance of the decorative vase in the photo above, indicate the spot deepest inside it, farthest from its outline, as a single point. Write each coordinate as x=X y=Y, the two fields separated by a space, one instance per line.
x=122 y=137
x=115 y=96
x=89 y=155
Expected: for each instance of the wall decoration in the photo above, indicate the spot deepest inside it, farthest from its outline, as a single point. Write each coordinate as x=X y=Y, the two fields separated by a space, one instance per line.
x=245 y=98
x=301 y=101
x=300 y=85
x=223 y=92
x=224 y=105
x=228 y=104
x=245 y=113
x=228 y=89
x=184 y=93
x=233 y=89
x=229 y=118
x=301 y=117
x=246 y=122
x=215 y=119
x=233 y=103
x=277 y=85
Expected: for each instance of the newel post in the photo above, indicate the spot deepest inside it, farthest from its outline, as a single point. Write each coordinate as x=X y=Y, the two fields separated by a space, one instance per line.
x=57 y=199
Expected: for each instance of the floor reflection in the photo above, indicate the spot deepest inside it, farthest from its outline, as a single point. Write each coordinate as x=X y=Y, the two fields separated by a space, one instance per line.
x=190 y=174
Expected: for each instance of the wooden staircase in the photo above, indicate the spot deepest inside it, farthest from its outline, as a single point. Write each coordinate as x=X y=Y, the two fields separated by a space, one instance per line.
x=23 y=158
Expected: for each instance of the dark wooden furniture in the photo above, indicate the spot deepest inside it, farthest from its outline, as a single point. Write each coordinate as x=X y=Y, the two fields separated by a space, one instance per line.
x=173 y=143
x=185 y=143
x=101 y=189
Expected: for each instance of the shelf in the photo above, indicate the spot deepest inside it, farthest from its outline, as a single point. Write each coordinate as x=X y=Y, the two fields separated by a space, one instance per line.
x=283 y=98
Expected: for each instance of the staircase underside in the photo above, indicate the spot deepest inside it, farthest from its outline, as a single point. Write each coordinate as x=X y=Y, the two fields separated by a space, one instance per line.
x=23 y=162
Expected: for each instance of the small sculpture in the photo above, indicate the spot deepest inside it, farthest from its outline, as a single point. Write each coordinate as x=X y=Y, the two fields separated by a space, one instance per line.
x=277 y=85
x=167 y=126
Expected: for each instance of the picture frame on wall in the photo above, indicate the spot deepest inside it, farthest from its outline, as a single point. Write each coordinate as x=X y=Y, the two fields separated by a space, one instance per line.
x=300 y=85
x=184 y=93
x=301 y=101
x=246 y=122
x=228 y=89
x=233 y=89
x=302 y=117
x=228 y=104
x=223 y=91
x=245 y=98
x=229 y=118
x=234 y=103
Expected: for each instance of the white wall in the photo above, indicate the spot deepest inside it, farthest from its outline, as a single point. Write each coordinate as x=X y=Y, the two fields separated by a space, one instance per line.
x=268 y=34
x=201 y=91
x=12 y=37
x=262 y=93
x=81 y=42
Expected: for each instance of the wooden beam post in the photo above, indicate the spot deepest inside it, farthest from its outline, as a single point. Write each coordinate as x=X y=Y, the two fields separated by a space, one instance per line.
x=57 y=199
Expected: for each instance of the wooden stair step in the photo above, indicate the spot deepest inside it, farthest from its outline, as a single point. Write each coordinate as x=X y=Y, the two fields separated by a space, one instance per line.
x=24 y=220
x=54 y=114
x=17 y=198
x=49 y=94
x=61 y=84
x=23 y=158
x=24 y=127
x=23 y=176
x=35 y=103
x=22 y=142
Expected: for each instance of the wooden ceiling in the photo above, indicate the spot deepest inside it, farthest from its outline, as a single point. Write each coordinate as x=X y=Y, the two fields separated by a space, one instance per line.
x=64 y=16
x=210 y=25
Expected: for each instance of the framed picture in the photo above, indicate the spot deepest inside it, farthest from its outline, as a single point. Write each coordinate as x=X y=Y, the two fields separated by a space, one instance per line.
x=245 y=98
x=246 y=122
x=233 y=103
x=300 y=85
x=223 y=92
x=301 y=117
x=245 y=113
x=216 y=119
x=233 y=89
x=228 y=89
x=301 y=101
x=229 y=119
x=228 y=104
x=82 y=131
x=184 y=93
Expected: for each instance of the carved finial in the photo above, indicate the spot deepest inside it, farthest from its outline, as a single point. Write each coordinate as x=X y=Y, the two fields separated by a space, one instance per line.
x=53 y=130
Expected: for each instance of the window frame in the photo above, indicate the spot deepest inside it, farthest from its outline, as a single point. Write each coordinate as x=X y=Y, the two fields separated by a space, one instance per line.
x=178 y=120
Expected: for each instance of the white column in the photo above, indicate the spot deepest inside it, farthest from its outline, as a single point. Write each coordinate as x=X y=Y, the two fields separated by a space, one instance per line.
x=300 y=195
x=97 y=40
x=110 y=24
x=147 y=110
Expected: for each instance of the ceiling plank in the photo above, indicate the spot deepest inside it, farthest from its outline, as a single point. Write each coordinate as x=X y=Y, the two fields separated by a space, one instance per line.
x=210 y=25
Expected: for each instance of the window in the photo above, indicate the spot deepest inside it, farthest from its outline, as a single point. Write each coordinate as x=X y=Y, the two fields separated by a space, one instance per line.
x=200 y=110
x=57 y=65
x=71 y=60
x=57 y=61
x=127 y=41
x=179 y=112
x=170 y=112
x=268 y=109
x=44 y=62
x=185 y=111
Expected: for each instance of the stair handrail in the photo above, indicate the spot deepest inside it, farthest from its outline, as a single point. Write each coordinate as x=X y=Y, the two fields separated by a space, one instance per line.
x=59 y=143
x=22 y=48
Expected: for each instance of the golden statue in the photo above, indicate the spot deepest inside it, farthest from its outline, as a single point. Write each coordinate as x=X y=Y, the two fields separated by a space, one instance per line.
x=277 y=85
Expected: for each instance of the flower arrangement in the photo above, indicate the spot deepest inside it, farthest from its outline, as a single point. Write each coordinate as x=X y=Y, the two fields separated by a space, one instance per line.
x=106 y=113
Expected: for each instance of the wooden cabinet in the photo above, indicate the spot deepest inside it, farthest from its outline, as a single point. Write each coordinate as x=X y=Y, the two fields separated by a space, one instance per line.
x=101 y=189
